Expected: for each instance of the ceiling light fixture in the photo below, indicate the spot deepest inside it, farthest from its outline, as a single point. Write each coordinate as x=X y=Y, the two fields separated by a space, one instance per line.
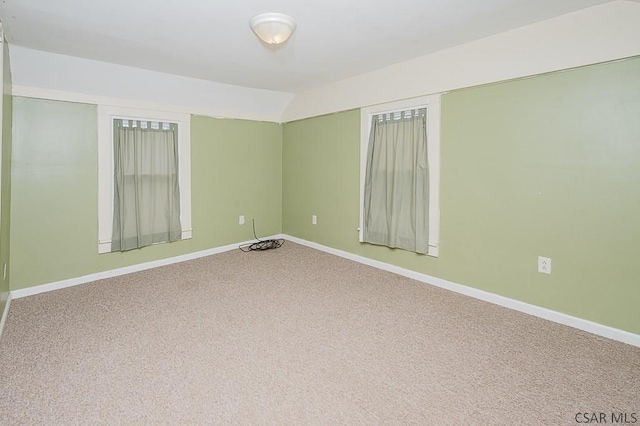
x=273 y=28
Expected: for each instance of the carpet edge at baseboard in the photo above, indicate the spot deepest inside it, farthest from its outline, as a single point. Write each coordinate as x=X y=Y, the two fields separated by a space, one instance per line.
x=70 y=282
x=540 y=312
x=537 y=311
x=5 y=314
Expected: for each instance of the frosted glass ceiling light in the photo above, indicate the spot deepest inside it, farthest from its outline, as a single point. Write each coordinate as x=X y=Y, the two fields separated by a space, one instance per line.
x=273 y=28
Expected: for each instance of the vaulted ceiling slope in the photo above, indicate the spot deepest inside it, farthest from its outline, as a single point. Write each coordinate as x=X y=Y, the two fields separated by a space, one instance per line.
x=211 y=40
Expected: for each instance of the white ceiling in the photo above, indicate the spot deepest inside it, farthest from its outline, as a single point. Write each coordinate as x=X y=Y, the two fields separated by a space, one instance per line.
x=211 y=39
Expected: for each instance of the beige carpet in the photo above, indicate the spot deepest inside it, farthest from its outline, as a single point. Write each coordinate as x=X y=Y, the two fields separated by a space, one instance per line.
x=296 y=336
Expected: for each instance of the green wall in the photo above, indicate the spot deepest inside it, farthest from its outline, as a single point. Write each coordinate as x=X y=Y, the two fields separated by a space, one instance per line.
x=544 y=166
x=236 y=169
x=5 y=178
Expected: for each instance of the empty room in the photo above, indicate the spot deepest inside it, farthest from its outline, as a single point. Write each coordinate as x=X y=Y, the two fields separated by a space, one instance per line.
x=318 y=213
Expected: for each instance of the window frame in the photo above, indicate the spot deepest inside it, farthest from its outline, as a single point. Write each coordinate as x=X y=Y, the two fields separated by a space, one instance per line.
x=106 y=115
x=432 y=104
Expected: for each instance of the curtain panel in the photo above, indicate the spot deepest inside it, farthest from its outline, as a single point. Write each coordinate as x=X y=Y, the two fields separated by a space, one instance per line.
x=146 y=188
x=396 y=193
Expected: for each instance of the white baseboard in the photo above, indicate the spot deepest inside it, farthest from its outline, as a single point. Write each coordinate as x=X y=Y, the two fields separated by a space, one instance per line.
x=548 y=314
x=5 y=314
x=30 y=291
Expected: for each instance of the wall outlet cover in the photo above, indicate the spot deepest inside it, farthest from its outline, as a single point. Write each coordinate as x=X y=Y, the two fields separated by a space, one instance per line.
x=544 y=265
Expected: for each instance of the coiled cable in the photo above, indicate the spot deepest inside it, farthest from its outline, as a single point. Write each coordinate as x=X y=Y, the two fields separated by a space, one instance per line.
x=260 y=245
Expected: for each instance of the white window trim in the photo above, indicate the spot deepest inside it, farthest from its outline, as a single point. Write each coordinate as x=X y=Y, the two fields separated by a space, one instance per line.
x=432 y=104
x=106 y=115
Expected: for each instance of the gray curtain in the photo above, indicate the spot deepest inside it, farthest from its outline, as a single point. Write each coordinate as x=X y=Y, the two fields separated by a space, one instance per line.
x=146 y=191
x=396 y=192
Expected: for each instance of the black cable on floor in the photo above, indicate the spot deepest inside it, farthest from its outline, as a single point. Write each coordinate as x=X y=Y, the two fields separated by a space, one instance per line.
x=260 y=245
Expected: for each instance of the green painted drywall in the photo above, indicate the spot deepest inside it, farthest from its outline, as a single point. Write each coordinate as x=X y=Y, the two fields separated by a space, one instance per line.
x=321 y=177
x=544 y=166
x=5 y=179
x=236 y=168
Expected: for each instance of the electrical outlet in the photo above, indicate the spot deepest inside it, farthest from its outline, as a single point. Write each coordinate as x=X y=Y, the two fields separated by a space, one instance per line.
x=314 y=219
x=544 y=265
x=241 y=220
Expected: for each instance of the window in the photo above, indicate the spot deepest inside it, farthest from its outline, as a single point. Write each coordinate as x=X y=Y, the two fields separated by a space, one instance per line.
x=159 y=186
x=400 y=175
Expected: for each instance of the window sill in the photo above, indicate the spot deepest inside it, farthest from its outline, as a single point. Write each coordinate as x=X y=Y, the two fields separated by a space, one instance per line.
x=105 y=246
